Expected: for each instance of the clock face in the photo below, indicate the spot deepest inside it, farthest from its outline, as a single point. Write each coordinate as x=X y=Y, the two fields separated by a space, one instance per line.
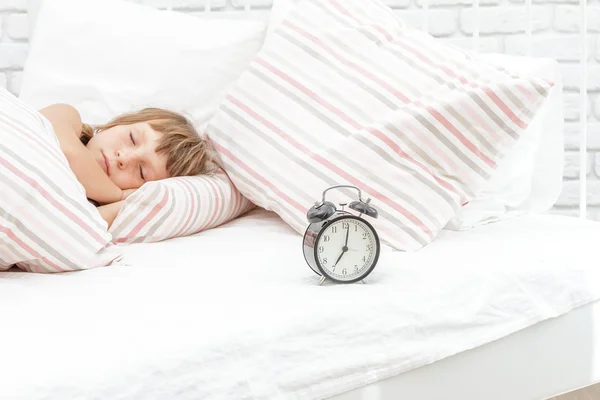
x=347 y=249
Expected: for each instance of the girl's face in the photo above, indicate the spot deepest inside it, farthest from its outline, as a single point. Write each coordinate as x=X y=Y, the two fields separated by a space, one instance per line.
x=127 y=154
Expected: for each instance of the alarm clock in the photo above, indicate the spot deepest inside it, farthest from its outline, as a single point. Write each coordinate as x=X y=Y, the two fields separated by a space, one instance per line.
x=339 y=245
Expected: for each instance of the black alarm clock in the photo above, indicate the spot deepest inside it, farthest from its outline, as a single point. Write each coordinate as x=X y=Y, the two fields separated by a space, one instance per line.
x=339 y=245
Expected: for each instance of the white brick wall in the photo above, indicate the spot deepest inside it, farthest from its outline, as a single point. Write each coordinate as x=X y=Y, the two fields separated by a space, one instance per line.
x=502 y=29
x=507 y=19
x=13 y=5
x=16 y=26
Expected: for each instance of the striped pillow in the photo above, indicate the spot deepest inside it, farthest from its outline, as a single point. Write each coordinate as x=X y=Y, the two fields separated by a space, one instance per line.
x=46 y=222
x=343 y=92
x=177 y=207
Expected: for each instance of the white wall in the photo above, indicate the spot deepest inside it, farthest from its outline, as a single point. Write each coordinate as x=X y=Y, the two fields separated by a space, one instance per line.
x=556 y=30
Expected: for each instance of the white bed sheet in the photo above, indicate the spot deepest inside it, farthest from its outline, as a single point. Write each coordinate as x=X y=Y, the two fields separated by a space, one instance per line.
x=235 y=312
x=553 y=357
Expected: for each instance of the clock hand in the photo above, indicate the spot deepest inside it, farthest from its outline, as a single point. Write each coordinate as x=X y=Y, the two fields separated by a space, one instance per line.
x=339 y=258
x=347 y=234
x=345 y=248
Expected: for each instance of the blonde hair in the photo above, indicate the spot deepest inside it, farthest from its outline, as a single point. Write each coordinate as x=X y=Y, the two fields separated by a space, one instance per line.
x=187 y=153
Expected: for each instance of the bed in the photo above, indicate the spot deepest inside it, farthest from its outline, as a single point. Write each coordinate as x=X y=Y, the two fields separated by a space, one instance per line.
x=221 y=315
x=505 y=310
x=553 y=357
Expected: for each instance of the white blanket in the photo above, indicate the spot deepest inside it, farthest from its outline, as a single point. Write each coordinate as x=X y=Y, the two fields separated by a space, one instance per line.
x=235 y=313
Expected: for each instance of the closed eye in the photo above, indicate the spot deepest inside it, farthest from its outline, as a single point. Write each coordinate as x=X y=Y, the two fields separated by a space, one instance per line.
x=131 y=137
x=142 y=173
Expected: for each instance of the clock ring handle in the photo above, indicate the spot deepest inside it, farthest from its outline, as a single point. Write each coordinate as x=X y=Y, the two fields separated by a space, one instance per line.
x=361 y=206
x=344 y=186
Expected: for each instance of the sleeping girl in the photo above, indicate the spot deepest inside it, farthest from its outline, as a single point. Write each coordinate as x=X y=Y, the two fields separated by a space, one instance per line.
x=112 y=160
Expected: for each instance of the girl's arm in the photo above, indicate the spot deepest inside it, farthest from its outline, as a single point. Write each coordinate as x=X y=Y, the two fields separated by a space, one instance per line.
x=66 y=122
x=109 y=211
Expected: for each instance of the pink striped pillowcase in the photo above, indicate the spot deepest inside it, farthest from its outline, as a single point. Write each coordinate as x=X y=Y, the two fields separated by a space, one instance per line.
x=46 y=222
x=344 y=93
x=178 y=207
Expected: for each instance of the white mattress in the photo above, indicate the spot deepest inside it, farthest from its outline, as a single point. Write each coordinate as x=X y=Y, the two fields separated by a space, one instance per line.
x=235 y=312
x=553 y=357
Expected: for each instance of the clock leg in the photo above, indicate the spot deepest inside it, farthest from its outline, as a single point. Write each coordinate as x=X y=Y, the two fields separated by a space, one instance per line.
x=363 y=281
x=322 y=280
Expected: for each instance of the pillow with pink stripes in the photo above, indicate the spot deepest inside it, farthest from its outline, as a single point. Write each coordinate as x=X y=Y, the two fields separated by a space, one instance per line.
x=46 y=221
x=178 y=207
x=343 y=92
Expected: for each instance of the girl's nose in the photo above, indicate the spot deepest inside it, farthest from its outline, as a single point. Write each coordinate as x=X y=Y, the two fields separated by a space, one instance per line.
x=122 y=159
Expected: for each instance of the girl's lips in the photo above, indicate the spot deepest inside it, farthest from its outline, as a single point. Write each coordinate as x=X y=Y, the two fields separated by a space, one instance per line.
x=106 y=165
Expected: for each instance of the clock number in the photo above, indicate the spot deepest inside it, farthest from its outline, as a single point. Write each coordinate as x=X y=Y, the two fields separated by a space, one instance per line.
x=345 y=225
x=355 y=227
x=344 y=271
x=364 y=235
x=364 y=258
x=325 y=260
x=321 y=249
x=326 y=238
x=334 y=229
x=369 y=247
x=356 y=268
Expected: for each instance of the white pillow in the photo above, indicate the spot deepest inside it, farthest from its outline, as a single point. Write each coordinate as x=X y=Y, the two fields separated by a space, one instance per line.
x=33 y=7
x=418 y=125
x=106 y=57
x=178 y=207
x=529 y=178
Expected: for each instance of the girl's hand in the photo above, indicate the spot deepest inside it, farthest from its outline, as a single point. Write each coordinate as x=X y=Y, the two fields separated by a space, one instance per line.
x=110 y=211
x=126 y=193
